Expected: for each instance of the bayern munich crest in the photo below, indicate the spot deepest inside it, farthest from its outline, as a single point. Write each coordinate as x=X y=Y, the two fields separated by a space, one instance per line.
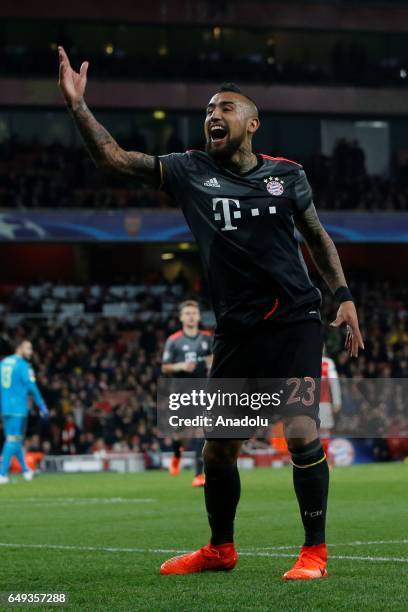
x=274 y=185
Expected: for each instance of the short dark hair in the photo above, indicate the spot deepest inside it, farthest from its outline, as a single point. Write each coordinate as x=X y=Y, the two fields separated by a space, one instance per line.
x=229 y=86
x=19 y=342
x=186 y=303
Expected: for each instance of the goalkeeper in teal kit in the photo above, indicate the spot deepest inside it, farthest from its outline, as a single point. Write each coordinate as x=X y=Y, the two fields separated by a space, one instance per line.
x=17 y=382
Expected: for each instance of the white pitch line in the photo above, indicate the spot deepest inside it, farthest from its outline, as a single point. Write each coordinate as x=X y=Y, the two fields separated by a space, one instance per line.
x=356 y=543
x=393 y=559
x=76 y=501
x=337 y=557
x=92 y=548
x=253 y=553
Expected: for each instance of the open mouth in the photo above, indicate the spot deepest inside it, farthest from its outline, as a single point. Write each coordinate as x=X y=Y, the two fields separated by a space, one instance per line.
x=218 y=133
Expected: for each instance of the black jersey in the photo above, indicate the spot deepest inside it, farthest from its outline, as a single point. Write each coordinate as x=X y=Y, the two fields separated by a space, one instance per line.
x=180 y=347
x=244 y=226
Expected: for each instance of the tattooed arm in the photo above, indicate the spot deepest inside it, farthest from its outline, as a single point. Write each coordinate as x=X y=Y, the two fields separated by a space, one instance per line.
x=102 y=147
x=321 y=248
x=327 y=261
x=106 y=152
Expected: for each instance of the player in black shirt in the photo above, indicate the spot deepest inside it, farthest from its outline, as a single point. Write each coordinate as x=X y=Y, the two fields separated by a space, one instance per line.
x=243 y=209
x=187 y=353
x=244 y=226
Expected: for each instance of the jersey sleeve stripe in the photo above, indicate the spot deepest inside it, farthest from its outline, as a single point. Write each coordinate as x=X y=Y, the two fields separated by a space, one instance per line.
x=290 y=161
x=176 y=334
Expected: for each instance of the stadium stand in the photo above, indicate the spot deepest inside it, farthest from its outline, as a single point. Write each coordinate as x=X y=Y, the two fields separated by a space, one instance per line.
x=253 y=56
x=55 y=176
x=98 y=367
x=94 y=268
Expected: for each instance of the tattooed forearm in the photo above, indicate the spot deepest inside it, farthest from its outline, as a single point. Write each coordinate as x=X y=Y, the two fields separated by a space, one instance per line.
x=106 y=152
x=321 y=248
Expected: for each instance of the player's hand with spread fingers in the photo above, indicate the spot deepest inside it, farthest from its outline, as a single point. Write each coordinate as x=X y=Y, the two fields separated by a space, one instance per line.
x=71 y=83
x=347 y=314
x=102 y=147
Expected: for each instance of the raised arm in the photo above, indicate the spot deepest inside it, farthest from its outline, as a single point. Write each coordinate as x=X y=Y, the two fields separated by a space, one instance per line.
x=102 y=147
x=327 y=261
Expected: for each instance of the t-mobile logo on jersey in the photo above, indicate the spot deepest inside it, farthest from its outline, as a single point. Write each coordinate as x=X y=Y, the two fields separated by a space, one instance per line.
x=231 y=210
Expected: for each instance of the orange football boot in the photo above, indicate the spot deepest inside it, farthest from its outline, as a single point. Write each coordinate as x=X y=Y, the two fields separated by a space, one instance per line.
x=198 y=480
x=310 y=564
x=175 y=466
x=210 y=558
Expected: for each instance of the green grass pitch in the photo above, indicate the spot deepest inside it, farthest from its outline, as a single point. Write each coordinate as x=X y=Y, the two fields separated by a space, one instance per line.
x=102 y=538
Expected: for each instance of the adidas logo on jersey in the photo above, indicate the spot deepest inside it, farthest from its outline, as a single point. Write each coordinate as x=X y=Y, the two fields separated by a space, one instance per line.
x=212 y=182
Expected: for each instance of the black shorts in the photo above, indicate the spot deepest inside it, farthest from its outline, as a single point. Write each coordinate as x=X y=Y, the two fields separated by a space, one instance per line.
x=272 y=351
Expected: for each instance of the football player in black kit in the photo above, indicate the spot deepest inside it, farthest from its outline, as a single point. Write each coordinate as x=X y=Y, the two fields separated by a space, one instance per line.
x=243 y=209
x=187 y=353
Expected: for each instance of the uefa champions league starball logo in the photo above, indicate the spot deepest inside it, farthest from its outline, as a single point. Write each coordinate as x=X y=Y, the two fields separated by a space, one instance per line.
x=19 y=227
x=274 y=185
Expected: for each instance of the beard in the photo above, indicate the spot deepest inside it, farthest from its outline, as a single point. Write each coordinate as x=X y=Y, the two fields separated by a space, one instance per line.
x=225 y=153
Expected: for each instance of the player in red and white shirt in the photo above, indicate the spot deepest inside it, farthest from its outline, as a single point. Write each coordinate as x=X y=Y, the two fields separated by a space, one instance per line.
x=330 y=399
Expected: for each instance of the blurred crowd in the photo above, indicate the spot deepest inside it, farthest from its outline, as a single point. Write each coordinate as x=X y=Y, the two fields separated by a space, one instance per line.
x=55 y=176
x=98 y=374
x=36 y=176
x=341 y=182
